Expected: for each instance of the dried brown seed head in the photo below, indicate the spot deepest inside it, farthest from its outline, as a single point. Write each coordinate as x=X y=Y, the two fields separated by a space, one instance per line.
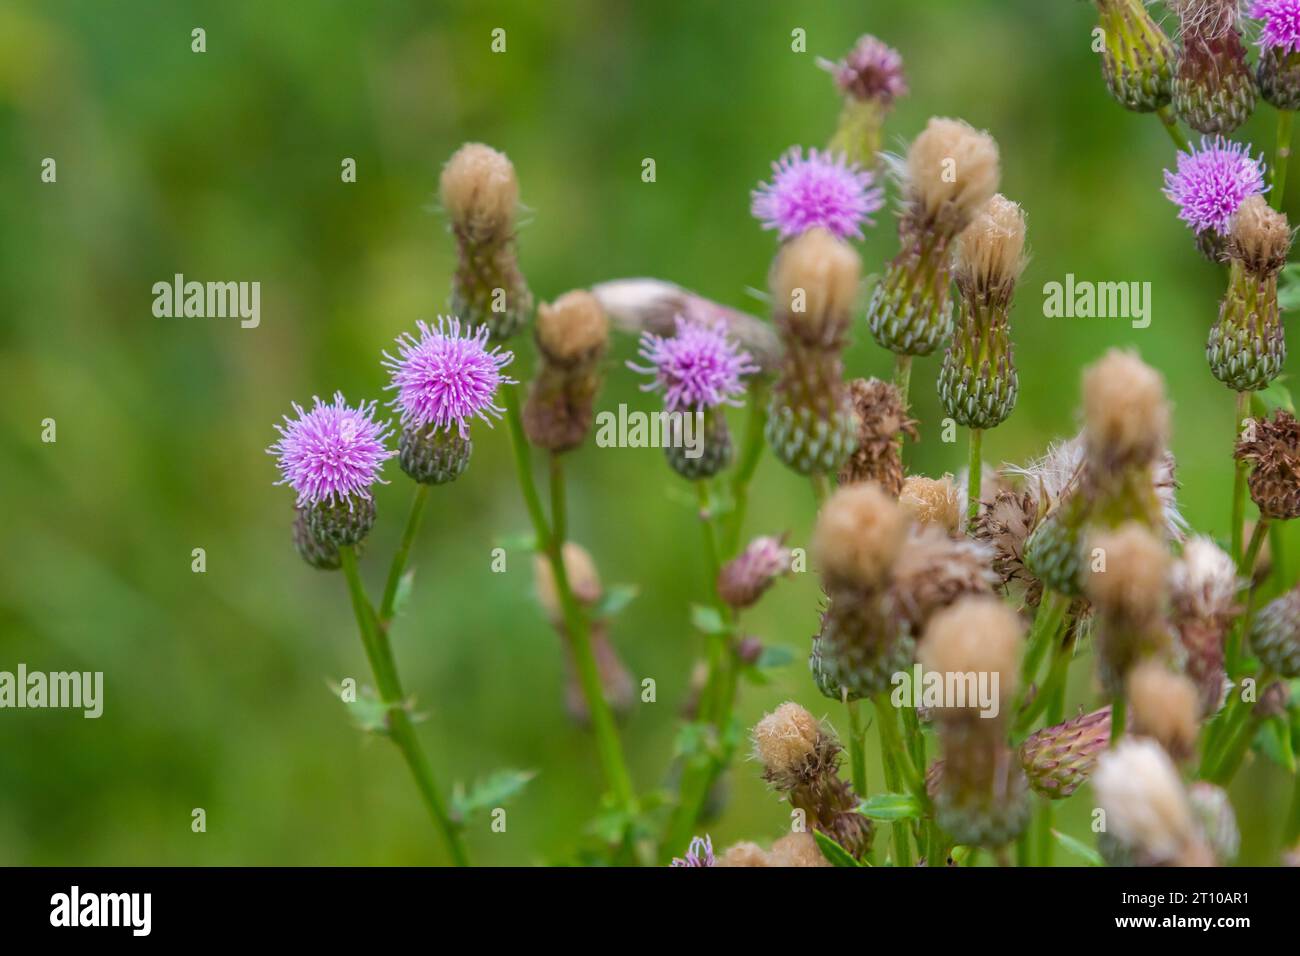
x=858 y=534
x=480 y=192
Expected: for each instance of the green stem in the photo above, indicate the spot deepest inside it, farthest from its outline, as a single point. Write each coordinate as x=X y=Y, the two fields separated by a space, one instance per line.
x=974 y=464
x=1170 y=123
x=1282 y=157
x=1052 y=608
x=821 y=487
x=384 y=668
x=892 y=742
x=1239 y=481
x=1051 y=689
x=903 y=375
x=559 y=510
x=751 y=454
x=1047 y=808
x=857 y=749
x=898 y=829
x=576 y=627
x=395 y=570
x=1291 y=832
x=1118 y=718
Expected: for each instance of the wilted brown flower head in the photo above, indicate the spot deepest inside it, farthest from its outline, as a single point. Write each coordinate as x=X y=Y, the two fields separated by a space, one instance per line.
x=1004 y=527
x=480 y=192
x=1126 y=416
x=1274 y=451
x=786 y=741
x=858 y=535
x=934 y=570
x=932 y=501
x=814 y=283
x=952 y=170
x=1259 y=237
x=1165 y=707
x=881 y=419
x=1128 y=572
x=573 y=329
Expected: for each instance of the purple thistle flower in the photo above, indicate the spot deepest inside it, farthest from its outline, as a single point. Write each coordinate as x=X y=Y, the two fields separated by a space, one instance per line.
x=1212 y=182
x=873 y=70
x=332 y=452
x=444 y=378
x=823 y=190
x=698 y=368
x=1281 y=24
x=700 y=853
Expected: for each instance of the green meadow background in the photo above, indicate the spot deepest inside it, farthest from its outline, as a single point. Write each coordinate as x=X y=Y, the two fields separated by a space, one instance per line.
x=225 y=166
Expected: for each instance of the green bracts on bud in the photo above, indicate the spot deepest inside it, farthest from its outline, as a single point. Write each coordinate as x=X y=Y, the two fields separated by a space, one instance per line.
x=708 y=453
x=341 y=522
x=321 y=555
x=1279 y=78
x=1058 y=760
x=978 y=384
x=1246 y=349
x=910 y=312
x=1054 y=550
x=435 y=456
x=1136 y=60
x=1275 y=635
x=488 y=288
x=859 y=648
x=1214 y=91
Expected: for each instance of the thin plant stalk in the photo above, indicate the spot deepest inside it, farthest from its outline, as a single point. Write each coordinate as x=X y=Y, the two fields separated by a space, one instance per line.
x=1239 y=482
x=1170 y=123
x=902 y=375
x=1118 y=718
x=1281 y=157
x=974 y=465
x=750 y=455
x=608 y=745
x=857 y=748
x=400 y=728
x=387 y=606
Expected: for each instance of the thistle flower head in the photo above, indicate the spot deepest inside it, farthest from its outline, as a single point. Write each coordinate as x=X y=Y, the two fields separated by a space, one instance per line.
x=744 y=854
x=991 y=250
x=333 y=452
x=573 y=328
x=934 y=570
x=822 y=190
x=1126 y=416
x=699 y=367
x=858 y=535
x=1203 y=582
x=872 y=70
x=952 y=168
x=742 y=581
x=933 y=501
x=814 y=281
x=480 y=192
x=882 y=417
x=700 y=853
x=1059 y=759
x=1165 y=706
x=1259 y=237
x=1147 y=810
x=1212 y=182
x=1280 y=24
x=1207 y=18
x=978 y=634
x=1274 y=451
x=786 y=739
x=797 y=849
x=443 y=378
x=1131 y=584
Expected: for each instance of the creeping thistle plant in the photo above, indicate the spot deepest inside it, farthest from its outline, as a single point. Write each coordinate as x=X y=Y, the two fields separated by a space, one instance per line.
x=955 y=611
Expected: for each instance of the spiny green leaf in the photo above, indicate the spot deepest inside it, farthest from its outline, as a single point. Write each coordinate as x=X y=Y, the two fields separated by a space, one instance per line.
x=368 y=712
x=1079 y=849
x=836 y=854
x=889 y=807
x=490 y=792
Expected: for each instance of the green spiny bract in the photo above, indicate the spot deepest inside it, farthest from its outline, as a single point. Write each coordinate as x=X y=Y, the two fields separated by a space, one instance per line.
x=1137 y=56
x=1213 y=89
x=1058 y=760
x=910 y=312
x=860 y=646
x=1279 y=78
x=433 y=456
x=321 y=555
x=488 y=288
x=1275 y=635
x=713 y=452
x=341 y=522
x=1246 y=349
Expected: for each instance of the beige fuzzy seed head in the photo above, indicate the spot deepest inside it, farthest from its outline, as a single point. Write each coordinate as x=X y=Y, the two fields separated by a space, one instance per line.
x=858 y=535
x=991 y=250
x=1128 y=572
x=1259 y=236
x=952 y=170
x=744 y=853
x=1146 y=805
x=1164 y=707
x=814 y=283
x=583 y=577
x=980 y=635
x=1126 y=416
x=786 y=738
x=480 y=191
x=797 y=849
x=935 y=501
x=572 y=328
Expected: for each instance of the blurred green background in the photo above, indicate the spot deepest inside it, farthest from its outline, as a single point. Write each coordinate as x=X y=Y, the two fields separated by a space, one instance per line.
x=225 y=166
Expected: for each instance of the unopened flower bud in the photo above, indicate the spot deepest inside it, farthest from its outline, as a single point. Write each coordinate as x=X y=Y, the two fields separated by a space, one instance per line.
x=742 y=581
x=1137 y=59
x=321 y=555
x=1165 y=707
x=1213 y=88
x=871 y=78
x=572 y=338
x=1275 y=635
x=1059 y=759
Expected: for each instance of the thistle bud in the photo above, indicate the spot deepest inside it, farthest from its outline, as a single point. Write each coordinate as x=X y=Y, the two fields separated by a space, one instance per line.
x=1279 y=52
x=1203 y=591
x=801 y=760
x=933 y=501
x=950 y=172
x=1218 y=821
x=1165 y=707
x=744 y=854
x=1246 y=348
x=1149 y=819
x=981 y=795
x=797 y=849
x=1127 y=584
x=1272 y=447
x=340 y=523
x=742 y=581
x=480 y=194
x=978 y=384
x=572 y=339
x=881 y=419
x=1275 y=635
x=1126 y=416
x=870 y=77
x=1058 y=760
x=321 y=555
x=1136 y=61
x=1213 y=88
x=1004 y=528
x=933 y=571
x=811 y=424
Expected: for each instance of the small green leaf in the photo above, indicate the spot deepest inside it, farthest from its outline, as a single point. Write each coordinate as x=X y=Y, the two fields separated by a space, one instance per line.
x=490 y=792
x=693 y=740
x=1275 y=396
x=403 y=594
x=368 y=712
x=707 y=619
x=615 y=600
x=889 y=807
x=836 y=854
x=1273 y=740
x=775 y=655
x=755 y=676
x=1079 y=849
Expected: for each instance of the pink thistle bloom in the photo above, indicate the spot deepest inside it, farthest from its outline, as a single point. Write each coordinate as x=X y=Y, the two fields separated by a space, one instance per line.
x=823 y=190
x=1212 y=182
x=700 y=853
x=698 y=368
x=1280 y=27
x=444 y=378
x=873 y=70
x=332 y=452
